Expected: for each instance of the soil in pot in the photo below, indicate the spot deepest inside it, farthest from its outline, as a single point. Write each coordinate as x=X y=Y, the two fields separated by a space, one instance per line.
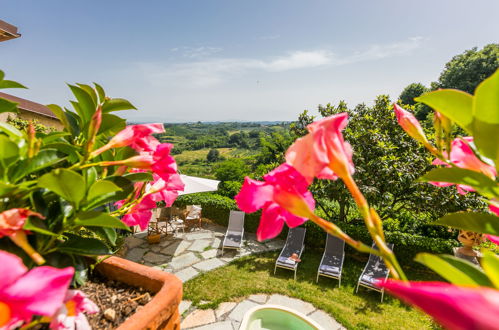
x=117 y=301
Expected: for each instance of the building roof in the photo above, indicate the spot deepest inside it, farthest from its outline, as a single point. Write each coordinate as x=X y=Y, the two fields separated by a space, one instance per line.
x=30 y=106
x=8 y=31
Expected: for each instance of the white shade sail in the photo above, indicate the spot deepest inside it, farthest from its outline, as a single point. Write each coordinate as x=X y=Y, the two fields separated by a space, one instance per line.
x=195 y=185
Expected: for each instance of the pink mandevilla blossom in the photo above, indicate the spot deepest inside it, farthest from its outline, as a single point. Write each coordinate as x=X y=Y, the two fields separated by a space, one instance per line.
x=136 y=136
x=323 y=153
x=463 y=156
x=283 y=196
x=140 y=214
x=24 y=293
x=71 y=315
x=166 y=191
x=410 y=124
x=13 y=220
x=454 y=307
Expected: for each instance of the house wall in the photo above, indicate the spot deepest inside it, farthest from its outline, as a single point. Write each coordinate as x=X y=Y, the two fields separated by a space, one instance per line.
x=28 y=115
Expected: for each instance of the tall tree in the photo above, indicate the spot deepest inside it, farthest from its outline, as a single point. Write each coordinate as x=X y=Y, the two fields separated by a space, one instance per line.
x=465 y=71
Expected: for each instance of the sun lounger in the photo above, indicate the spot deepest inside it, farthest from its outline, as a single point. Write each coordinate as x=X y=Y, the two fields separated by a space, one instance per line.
x=375 y=269
x=332 y=260
x=294 y=246
x=235 y=231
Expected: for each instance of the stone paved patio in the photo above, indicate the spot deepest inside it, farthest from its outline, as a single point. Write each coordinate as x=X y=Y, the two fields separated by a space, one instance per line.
x=229 y=315
x=190 y=254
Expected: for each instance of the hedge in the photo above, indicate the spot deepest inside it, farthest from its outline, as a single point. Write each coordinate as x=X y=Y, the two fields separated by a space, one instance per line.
x=216 y=208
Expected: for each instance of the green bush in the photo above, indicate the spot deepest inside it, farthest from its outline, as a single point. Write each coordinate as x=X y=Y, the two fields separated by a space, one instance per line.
x=217 y=208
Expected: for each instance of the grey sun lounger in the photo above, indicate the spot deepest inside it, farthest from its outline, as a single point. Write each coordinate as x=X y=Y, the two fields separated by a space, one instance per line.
x=294 y=244
x=235 y=231
x=332 y=260
x=375 y=269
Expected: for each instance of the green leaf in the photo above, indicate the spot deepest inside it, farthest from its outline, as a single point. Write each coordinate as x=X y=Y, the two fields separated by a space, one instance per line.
x=109 y=234
x=86 y=106
x=43 y=159
x=90 y=91
x=490 y=264
x=8 y=106
x=479 y=222
x=74 y=122
x=482 y=183
x=84 y=246
x=100 y=92
x=65 y=183
x=37 y=225
x=111 y=124
x=140 y=176
x=117 y=105
x=10 y=84
x=11 y=131
x=60 y=114
x=101 y=188
x=9 y=151
x=98 y=219
x=454 y=270
x=6 y=188
x=454 y=104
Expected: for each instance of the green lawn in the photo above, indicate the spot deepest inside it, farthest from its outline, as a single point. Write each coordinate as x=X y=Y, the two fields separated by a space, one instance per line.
x=254 y=274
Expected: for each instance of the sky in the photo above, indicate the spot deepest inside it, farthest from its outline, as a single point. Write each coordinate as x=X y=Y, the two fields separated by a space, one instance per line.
x=236 y=60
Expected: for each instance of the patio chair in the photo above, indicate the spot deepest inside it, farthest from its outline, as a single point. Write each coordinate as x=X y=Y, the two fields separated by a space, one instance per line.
x=294 y=245
x=332 y=260
x=159 y=221
x=235 y=231
x=375 y=269
x=192 y=216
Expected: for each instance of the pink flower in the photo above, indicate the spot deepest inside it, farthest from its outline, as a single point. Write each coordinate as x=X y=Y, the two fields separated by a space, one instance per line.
x=140 y=214
x=463 y=156
x=71 y=315
x=136 y=136
x=283 y=196
x=13 y=220
x=11 y=224
x=454 y=307
x=23 y=294
x=493 y=239
x=323 y=153
x=166 y=191
x=410 y=124
x=160 y=161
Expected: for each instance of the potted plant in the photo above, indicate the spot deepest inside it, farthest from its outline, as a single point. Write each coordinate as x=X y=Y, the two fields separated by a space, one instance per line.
x=68 y=195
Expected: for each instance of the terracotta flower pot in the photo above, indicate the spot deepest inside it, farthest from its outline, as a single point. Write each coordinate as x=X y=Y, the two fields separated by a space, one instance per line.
x=162 y=311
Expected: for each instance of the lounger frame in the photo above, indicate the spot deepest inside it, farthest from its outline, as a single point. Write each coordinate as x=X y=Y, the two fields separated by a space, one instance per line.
x=293 y=268
x=340 y=268
x=228 y=230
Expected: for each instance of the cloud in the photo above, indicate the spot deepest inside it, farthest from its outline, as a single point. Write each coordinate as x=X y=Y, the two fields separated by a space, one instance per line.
x=206 y=72
x=270 y=37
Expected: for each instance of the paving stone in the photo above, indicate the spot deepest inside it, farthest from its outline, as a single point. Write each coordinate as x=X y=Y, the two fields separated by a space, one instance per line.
x=259 y=298
x=156 y=258
x=184 y=261
x=167 y=242
x=133 y=242
x=186 y=274
x=184 y=305
x=198 y=317
x=209 y=254
x=135 y=254
x=196 y=236
x=256 y=247
x=238 y=312
x=225 y=325
x=296 y=304
x=209 y=264
x=199 y=245
x=156 y=248
x=324 y=320
x=142 y=234
x=274 y=244
x=250 y=236
x=224 y=308
x=236 y=325
x=217 y=243
x=176 y=249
